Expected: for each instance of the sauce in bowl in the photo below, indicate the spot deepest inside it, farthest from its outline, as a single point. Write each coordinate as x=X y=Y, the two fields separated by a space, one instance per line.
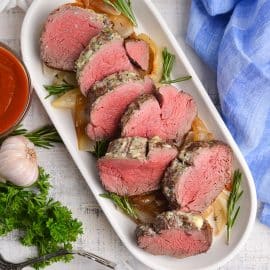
x=14 y=90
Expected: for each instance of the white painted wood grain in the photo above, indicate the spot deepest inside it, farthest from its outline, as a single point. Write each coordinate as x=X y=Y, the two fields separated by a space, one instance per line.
x=70 y=188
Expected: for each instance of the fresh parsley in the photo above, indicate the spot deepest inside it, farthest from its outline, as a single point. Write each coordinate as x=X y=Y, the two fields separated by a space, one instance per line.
x=123 y=6
x=234 y=197
x=44 y=223
x=44 y=137
x=122 y=202
x=58 y=89
x=168 y=62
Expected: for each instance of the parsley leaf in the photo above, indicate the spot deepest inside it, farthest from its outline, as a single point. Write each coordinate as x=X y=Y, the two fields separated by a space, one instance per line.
x=45 y=223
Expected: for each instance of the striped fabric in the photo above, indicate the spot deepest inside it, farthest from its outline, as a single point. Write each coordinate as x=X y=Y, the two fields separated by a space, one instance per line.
x=233 y=37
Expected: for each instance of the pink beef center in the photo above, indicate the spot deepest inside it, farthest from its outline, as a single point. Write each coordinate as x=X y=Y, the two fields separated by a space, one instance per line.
x=66 y=36
x=111 y=58
x=139 y=52
x=177 y=243
x=177 y=116
x=106 y=115
x=159 y=155
x=169 y=120
x=145 y=122
x=131 y=177
x=201 y=183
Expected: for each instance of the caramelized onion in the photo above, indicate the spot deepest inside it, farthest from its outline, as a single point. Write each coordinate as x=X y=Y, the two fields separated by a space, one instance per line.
x=80 y=117
x=149 y=205
x=200 y=132
x=216 y=213
x=122 y=25
x=155 y=60
x=98 y=6
x=67 y=100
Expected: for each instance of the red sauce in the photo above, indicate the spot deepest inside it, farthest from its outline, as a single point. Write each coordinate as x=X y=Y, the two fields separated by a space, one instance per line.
x=14 y=90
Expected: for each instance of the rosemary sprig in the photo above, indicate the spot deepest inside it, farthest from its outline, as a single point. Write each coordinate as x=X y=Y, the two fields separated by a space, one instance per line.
x=168 y=62
x=100 y=148
x=122 y=202
x=58 y=89
x=234 y=197
x=19 y=131
x=180 y=79
x=44 y=137
x=123 y=6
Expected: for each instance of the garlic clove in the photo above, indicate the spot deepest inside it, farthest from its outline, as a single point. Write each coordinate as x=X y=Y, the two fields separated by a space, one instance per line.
x=10 y=156
x=19 y=150
x=18 y=161
x=33 y=176
x=6 y=155
x=25 y=168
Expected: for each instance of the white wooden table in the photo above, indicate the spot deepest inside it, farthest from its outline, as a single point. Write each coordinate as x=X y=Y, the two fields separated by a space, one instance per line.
x=69 y=186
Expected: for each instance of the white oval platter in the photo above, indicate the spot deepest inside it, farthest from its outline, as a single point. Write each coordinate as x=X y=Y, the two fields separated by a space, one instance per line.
x=151 y=23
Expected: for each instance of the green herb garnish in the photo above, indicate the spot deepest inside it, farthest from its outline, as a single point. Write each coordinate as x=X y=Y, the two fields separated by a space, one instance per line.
x=122 y=202
x=234 y=197
x=123 y=6
x=100 y=148
x=180 y=79
x=168 y=62
x=44 y=223
x=43 y=137
x=58 y=89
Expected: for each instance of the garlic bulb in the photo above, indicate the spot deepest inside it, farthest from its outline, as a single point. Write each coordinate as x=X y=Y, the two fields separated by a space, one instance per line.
x=18 y=161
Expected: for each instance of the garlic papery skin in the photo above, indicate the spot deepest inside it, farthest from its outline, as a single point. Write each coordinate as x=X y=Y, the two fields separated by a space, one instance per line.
x=18 y=161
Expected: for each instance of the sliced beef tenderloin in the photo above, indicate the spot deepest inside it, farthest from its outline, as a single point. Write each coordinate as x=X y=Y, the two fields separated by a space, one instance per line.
x=105 y=55
x=109 y=99
x=198 y=175
x=169 y=114
x=135 y=165
x=68 y=30
x=176 y=234
x=142 y=118
x=138 y=52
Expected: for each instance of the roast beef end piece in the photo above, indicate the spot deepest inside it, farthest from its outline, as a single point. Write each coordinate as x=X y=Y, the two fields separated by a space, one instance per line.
x=109 y=99
x=168 y=114
x=67 y=31
x=135 y=165
x=105 y=55
x=138 y=52
x=176 y=234
x=198 y=175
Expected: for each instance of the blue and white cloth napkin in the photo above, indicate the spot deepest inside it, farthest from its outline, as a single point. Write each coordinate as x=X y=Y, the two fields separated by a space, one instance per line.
x=233 y=38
